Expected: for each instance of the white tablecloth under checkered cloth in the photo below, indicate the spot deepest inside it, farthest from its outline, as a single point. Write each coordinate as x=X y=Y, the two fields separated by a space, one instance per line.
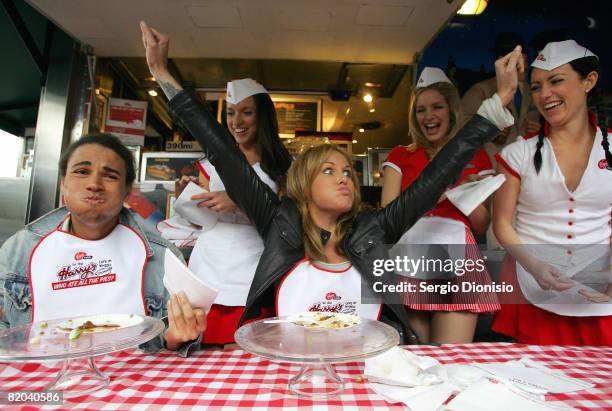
x=234 y=379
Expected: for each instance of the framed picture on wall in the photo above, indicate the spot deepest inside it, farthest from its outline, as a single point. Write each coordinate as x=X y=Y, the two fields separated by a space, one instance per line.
x=160 y=167
x=376 y=156
x=297 y=114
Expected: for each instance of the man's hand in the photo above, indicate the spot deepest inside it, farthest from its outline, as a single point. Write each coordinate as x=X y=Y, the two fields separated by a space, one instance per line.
x=185 y=323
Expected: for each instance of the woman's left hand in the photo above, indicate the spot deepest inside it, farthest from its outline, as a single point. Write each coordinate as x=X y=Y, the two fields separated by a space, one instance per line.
x=217 y=201
x=185 y=322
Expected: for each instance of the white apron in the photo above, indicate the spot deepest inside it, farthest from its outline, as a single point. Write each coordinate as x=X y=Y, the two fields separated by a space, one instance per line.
x=226 y=256
x=311 y=288
x=595 y=276
x=73 y=277
x=432 y=230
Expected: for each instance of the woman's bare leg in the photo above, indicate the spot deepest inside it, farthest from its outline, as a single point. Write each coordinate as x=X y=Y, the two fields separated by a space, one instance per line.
x=453 y=327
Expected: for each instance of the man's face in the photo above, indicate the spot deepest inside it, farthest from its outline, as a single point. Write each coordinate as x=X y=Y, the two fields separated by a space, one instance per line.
x=94 y=186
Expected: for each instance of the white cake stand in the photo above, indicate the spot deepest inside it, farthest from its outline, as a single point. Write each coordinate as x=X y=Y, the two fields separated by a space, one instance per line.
x=78 y=373
x=316 y=350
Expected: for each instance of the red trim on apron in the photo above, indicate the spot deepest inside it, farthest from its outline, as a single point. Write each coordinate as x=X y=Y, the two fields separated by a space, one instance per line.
x=202 y=170
x=283 y=281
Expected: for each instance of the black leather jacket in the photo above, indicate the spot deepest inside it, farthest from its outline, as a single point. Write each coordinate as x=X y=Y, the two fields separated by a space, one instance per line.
x=278 y=221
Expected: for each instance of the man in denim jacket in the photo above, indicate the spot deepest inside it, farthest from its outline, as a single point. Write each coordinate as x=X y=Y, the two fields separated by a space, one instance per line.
x=97 y=173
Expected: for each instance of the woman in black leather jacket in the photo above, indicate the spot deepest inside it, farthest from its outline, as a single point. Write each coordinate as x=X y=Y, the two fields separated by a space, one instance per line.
x=321 y=217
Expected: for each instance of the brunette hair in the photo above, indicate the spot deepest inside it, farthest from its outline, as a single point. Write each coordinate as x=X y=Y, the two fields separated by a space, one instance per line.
x=583 y=66
x=299 y=182
x=451 y=95
x=275 y=159
x=105 y=140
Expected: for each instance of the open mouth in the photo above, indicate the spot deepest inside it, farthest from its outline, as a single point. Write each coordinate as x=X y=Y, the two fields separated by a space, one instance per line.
x=550 y=107
x=432 y=128
x=240 y=131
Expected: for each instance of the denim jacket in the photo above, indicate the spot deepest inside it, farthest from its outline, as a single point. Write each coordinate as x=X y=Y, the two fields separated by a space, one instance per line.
x=15 y=296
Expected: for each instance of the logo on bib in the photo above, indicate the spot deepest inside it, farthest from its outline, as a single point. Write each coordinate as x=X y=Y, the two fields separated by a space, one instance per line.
x=331 y=296
x=82 y=256
x=603 y=164
x=81 y=273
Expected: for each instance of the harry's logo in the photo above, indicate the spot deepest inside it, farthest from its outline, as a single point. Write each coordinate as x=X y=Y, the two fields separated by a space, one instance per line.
x=82 y=256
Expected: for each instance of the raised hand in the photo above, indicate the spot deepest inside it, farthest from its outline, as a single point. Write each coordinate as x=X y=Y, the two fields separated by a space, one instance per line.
x=156 y=45
x=507 y=69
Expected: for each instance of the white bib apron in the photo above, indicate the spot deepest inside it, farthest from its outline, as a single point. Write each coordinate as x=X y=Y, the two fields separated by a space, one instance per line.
x=596 y=276
x=73 y=277
x=416 y=242
x=311 y=288
x=226 y=256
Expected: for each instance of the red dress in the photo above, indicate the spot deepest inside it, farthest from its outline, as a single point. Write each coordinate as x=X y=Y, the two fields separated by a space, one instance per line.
x=410 y=164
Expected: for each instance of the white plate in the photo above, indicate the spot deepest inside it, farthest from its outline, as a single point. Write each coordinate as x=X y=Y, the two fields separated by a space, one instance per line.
x=122 y=320
x=317 y=320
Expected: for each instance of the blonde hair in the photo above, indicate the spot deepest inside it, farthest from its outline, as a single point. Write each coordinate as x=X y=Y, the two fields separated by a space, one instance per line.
x=300 y=177
x=451 y=95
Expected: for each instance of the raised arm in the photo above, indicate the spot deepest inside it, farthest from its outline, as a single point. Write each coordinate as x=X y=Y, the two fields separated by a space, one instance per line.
x=243 y=185
x=399 y=215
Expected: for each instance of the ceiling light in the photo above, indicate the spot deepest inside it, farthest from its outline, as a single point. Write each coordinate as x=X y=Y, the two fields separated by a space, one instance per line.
x=367 y=98
x=152 y=93
x=369 y=84
x=354 y=141
x=372 y=110
x=473 y=7
x=361 y=130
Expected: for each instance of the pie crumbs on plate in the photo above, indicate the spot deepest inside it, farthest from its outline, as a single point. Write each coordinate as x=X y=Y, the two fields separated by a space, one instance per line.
x=325 y=320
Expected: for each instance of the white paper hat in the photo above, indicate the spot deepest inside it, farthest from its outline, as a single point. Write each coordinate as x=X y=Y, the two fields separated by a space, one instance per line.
x=558 y=53
x=431 y=75
x=238 y=90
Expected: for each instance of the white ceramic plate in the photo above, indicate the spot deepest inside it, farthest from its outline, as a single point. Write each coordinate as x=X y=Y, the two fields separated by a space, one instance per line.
x=121 y=320
x=321 y=320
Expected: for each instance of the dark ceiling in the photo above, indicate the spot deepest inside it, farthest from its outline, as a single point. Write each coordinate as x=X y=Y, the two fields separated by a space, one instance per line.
x=20 y=78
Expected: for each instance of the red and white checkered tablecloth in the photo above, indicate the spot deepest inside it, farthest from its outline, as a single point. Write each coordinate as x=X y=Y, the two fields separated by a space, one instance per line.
x=234 y=379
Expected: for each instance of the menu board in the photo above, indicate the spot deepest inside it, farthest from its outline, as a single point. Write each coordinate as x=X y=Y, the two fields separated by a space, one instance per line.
x=127 y=120
x=296 y=115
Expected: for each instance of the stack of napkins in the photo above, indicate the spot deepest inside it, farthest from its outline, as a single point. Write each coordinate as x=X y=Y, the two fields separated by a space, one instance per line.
x=401 y=376
x=487 y=394
x=178 y=277
x=533 y=377
x=422 y=384
x=468 y=196
x=179 y=231
x=189 y=210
